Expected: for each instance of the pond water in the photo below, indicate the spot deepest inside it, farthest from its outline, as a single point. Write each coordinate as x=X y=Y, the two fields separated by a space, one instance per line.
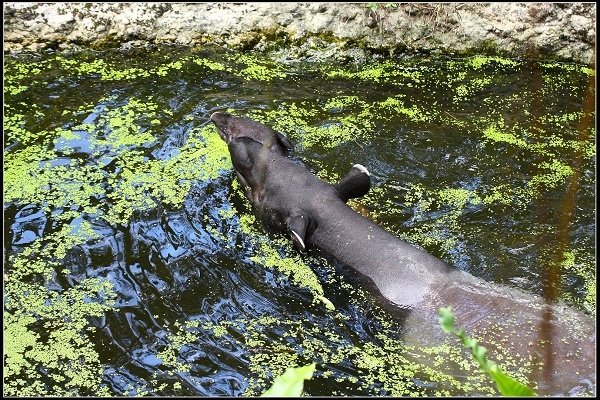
x=133 y=264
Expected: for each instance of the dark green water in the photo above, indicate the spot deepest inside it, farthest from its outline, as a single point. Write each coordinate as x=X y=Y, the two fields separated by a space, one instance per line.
x=132 y=264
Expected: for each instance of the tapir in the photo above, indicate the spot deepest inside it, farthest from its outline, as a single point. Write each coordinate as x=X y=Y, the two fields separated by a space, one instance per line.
x=559 y=340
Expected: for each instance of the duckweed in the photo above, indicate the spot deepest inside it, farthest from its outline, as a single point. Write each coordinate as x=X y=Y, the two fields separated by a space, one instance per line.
x=69 y=359
x=381 y=72
x=257 y=69
x=495 y=134
x=386 y=368
x=582 y=264
x=478 y=62
x=289 y=265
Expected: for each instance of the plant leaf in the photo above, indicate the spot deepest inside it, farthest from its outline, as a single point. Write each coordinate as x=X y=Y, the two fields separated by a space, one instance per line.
x=508 y=386
x=447 y=319
x=291 y=382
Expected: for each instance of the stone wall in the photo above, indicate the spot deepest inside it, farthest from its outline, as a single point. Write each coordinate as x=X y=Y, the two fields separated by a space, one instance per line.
x=554 y=30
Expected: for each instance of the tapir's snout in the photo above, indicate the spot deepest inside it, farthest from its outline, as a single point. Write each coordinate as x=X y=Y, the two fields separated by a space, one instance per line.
x=221 y=122
x=218 y=118
x=231 y=127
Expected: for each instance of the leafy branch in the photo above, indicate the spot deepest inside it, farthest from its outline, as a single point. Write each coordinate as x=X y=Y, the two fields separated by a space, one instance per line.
x=507 y=386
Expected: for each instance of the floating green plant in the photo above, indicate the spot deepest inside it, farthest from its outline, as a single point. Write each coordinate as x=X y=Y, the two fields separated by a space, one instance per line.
x=70 y=361
x=478 y=62
x=290 y=265
x=381 y=72
x=257 y=68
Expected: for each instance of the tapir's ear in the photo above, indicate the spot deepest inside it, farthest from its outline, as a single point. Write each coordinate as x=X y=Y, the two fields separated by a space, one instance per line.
x=284 y=142
x=240 y=157
x=356 y=183
x=298 y=225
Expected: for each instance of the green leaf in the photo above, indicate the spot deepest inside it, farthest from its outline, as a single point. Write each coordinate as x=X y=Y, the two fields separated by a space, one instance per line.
x=479 y=353
x=508 y=386
x=291 y=382
x=470 y=343
x=447 y=319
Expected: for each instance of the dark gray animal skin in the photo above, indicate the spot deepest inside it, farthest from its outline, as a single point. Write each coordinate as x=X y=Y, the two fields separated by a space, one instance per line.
x=289 y=198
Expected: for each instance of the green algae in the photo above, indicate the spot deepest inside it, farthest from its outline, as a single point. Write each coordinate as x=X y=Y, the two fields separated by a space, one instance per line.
x=141 y=181
x=570 y=68
x=257 y=68
x=268 y=253
x=21 y=172
x=243 y=65
x=388 y=367
x=445 y=232
x=14 y=129
x=550 y=174
x=70 y=360
x=588 y=71
x=272 y=358
x=381 y=72
x=124 y=125
x=200 y=158
x=350 y=119
x=19 y=76
x=108 y=72
x=507 y=386
x=210 y=64
x=477 y=62
x=495 y=133
x=169 y=355
x=413 y=113
x=582 y=265
x=458 y=198
x=290 y=265
x=467 y=90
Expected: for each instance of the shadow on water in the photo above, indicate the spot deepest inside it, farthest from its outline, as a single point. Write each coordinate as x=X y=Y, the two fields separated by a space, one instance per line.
x=206 y=302
x=551 y=255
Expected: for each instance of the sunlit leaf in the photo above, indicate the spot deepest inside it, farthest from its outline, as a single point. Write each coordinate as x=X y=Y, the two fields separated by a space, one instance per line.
x=506 y=385
x=291 y=382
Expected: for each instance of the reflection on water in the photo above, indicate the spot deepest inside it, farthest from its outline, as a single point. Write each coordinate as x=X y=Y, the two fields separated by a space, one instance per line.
x=112 y=174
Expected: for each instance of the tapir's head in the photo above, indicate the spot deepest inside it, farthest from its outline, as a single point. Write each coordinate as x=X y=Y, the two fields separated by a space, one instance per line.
x=250 y=160
x=231 y=127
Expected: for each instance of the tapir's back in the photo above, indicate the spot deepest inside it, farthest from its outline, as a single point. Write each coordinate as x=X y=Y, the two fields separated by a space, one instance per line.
x=561 y=339
x=292 y=183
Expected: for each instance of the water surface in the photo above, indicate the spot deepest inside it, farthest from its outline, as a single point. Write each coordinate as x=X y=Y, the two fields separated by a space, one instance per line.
x=133 y=264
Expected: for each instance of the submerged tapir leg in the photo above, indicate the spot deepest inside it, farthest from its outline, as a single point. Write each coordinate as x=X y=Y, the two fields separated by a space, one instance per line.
x=355 y=184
